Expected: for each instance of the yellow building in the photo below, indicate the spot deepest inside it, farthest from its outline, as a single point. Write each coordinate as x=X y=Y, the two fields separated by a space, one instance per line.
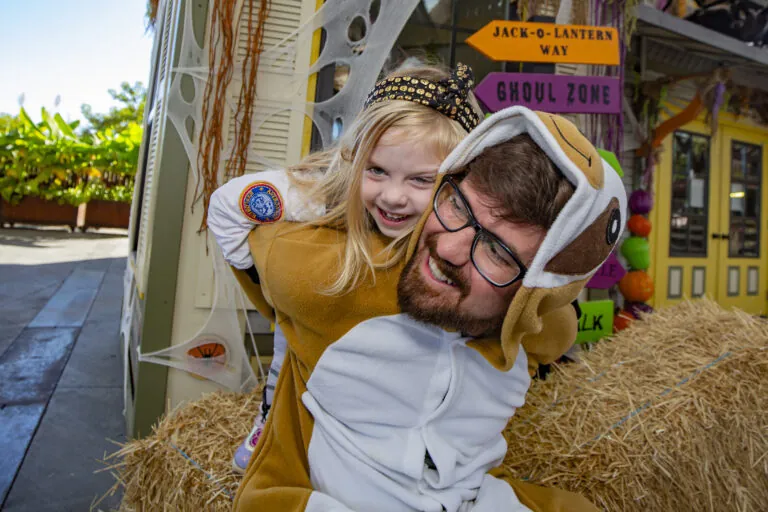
x=710 y=221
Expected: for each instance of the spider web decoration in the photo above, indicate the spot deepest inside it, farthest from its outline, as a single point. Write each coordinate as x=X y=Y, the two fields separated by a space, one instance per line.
x=364 y=56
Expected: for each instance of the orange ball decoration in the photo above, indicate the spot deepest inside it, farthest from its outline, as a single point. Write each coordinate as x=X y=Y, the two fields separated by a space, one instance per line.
x=639 y=225
x=636 y=286
x=621 y=321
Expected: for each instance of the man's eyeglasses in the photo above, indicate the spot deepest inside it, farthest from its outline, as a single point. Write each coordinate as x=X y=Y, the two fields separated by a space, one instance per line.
x=495 y=261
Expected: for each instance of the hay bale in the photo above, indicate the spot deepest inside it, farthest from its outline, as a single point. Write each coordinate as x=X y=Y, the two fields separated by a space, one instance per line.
x=186 y=463
x=670 y=415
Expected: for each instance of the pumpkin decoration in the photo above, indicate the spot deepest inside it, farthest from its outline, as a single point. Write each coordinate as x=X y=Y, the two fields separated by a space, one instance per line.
x=640 y=202
x=208 y=351
x=208 y=355
x=636 y=286
x=637 y=252
x=639 y=225
x=621 y=321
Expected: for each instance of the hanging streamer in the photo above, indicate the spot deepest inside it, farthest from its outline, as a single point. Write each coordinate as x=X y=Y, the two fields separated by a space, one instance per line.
x=364 y=58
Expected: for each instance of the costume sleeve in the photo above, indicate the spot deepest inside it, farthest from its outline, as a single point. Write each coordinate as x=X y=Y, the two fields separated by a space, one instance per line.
x=247 y=201
x=529 y=496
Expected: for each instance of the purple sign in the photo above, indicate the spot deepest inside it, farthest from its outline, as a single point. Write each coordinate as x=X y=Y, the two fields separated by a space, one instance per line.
x=556 y=94
x=608 y=275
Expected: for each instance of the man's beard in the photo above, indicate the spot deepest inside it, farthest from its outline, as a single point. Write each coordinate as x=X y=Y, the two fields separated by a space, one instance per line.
x=419 y=300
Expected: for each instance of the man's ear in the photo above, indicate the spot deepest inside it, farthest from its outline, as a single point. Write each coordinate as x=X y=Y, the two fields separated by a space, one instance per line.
x=593 y=245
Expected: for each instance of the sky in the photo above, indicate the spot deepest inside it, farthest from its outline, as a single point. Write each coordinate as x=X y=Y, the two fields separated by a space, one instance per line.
x=78 y=49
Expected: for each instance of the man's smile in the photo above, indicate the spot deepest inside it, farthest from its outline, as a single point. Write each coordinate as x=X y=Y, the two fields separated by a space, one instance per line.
x=436 y=274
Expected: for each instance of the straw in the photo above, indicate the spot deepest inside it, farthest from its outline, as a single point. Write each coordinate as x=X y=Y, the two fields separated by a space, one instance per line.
x=186 y=462
x=671 y=414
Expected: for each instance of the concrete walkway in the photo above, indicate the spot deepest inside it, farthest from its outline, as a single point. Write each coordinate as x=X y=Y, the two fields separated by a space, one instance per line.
x=60 y=368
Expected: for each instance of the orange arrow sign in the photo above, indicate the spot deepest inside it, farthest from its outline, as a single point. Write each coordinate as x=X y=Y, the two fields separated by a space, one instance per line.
x=521 y=41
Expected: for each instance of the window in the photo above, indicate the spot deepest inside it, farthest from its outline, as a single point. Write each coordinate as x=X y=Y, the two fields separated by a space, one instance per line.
x=690 y=190
x=744 y=200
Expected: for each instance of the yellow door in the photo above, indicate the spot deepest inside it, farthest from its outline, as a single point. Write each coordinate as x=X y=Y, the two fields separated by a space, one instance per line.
x=685 y=215
x=740 y=241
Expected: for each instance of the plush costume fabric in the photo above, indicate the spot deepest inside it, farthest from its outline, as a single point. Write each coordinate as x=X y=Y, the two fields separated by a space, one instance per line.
x=365 y=393
x=375 y=411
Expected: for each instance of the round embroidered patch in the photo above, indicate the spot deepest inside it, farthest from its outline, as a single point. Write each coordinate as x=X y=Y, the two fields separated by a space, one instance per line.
x=262 y=203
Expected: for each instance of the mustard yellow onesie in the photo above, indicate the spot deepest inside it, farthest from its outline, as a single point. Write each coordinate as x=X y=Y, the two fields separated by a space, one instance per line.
x=375 y=411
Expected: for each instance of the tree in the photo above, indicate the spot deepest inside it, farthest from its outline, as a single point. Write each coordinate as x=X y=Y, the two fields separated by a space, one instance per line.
x=132 y=99
x=7 y=121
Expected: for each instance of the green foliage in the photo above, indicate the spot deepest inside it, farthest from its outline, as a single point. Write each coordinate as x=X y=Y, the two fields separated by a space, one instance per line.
x=131 y=98
x=50 y=160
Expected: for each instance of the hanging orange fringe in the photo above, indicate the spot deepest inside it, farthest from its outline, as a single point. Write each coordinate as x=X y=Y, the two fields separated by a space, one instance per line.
x=221 y=63
x=152 y=6
x=690 y=113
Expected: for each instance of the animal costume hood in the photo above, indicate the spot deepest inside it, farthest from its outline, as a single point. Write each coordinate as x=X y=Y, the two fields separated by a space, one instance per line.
x=581 y=238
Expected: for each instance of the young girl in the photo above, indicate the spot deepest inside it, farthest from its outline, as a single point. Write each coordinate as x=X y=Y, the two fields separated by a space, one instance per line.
x=379 y=177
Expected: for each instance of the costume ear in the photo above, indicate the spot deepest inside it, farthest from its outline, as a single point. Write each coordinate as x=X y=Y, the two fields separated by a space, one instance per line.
x=576 y=147
x=592 y=246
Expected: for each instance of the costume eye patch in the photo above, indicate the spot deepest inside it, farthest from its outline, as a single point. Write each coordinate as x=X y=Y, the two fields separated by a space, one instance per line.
x=592 y=246
x=614 y=227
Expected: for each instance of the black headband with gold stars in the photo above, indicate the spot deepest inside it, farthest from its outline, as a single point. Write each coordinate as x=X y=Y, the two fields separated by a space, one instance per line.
x=448 y=96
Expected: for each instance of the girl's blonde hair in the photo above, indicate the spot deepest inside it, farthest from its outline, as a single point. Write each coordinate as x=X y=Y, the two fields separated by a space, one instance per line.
x=334 y=176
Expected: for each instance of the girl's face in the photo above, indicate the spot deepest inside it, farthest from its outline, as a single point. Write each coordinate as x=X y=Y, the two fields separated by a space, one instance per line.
x=398 y=181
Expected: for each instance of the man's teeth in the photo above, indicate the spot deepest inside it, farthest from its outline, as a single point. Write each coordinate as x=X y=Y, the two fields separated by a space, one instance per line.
x=436 y=272
x=391 y=216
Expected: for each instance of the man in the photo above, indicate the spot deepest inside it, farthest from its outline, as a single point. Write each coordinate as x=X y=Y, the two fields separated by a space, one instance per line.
x=386 y=408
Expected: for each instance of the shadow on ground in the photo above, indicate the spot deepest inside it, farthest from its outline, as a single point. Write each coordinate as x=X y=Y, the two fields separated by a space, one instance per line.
x=61 y=396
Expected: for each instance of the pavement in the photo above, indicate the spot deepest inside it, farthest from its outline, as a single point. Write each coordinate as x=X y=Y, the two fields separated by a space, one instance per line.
x=61 y=398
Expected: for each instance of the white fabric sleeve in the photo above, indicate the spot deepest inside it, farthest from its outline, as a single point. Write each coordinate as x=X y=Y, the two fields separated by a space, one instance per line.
x=319 y=502
x=247 y=201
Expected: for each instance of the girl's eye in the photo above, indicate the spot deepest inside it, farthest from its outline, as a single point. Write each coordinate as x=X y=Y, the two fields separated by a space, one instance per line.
x=377 y=171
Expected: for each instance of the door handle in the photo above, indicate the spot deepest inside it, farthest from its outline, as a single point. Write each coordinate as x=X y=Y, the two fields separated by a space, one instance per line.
x=721 y=236
x=715 y=236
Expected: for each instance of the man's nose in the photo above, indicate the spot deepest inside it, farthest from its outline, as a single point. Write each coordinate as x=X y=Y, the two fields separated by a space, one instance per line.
x=455 y=247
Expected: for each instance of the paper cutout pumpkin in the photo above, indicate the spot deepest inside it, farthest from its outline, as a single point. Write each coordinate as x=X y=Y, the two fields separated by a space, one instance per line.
x=636 y=286
x=637 y=252
x=207 y=357
x=621 y=321
x=208 y=351
x=640 y=202
x=639 y=225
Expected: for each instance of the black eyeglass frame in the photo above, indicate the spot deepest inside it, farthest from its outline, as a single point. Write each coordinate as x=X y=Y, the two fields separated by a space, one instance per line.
x=479 y=229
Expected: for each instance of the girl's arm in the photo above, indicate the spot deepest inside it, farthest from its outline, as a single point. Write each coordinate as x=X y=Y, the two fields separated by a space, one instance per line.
x=247 y=201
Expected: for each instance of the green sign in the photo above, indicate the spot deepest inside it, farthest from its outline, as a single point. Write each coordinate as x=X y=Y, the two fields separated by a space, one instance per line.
x=596 y=320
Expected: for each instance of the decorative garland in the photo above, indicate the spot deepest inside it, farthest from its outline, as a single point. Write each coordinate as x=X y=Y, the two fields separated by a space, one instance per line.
x=636 y=286
x=607 y=130
x=152 y=8
x=604 y=130
x=221 y=51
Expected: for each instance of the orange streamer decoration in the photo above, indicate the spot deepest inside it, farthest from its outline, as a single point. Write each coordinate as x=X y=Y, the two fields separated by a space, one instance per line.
x=690 y=113
x=221 y=52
